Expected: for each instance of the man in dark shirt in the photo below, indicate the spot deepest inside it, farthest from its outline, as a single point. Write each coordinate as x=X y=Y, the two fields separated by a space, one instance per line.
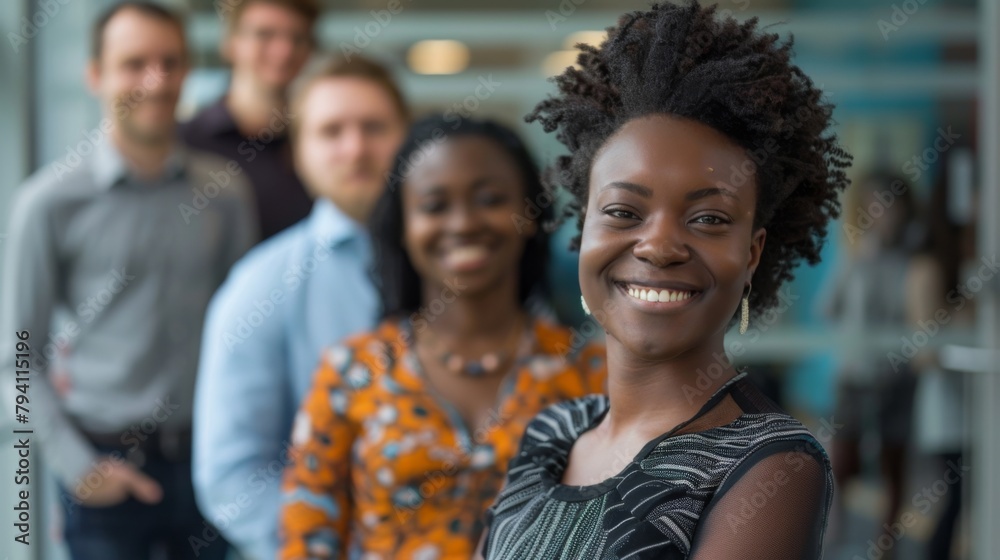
x=267 y=42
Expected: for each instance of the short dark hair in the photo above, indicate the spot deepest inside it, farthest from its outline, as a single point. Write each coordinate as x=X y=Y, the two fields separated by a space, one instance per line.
x=687 y=62
x=149 y=9
x=396 y=279
x=308 y=9
x=352 y=67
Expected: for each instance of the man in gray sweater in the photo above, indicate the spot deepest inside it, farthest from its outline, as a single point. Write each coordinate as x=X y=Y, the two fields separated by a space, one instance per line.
x=113 y=253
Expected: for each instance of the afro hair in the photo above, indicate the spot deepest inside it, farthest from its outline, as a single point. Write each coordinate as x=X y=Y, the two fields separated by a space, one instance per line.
x=688 y=62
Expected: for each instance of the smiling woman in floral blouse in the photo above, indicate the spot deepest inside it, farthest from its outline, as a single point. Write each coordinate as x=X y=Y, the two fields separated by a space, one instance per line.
x=406 y=435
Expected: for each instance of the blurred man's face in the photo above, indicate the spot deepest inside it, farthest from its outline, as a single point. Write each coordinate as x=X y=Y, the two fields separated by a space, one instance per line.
x=270 y=43
x=139 y=75
x=348 y=132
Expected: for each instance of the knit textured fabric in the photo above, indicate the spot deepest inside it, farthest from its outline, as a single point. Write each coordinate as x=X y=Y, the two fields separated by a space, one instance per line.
x=744 y=480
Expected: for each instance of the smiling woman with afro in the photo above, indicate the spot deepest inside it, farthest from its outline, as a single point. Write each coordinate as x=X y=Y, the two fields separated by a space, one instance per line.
x=702 y=171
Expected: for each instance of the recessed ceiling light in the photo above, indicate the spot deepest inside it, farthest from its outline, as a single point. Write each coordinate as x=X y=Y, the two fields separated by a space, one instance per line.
x=438 y=57
x=557 y=62
x=594 y=38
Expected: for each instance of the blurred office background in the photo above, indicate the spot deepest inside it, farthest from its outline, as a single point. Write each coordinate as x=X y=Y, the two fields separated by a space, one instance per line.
x=903 y=75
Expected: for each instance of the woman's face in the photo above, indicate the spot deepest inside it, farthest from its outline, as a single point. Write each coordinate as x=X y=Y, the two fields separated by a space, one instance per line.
x=458 y=207
x=668 y=241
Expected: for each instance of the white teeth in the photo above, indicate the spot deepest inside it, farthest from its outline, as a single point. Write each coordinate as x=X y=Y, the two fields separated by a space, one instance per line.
x=461 y=256
x=658 y=296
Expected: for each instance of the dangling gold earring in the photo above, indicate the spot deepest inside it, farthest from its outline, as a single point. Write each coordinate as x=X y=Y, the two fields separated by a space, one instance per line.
x=745 y=311
x=583 y=302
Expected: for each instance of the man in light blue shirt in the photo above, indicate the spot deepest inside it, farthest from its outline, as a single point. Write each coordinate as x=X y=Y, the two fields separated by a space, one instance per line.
x=291 y=296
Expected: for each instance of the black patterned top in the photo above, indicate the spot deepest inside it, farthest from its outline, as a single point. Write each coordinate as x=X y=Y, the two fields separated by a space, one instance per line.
x=758 y=486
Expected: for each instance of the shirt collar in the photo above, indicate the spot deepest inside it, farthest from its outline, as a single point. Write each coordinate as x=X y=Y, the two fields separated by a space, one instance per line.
x=330 y=226
x=110 y=169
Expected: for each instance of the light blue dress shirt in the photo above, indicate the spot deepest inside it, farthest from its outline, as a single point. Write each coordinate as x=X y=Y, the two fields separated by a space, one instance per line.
x=289 y=298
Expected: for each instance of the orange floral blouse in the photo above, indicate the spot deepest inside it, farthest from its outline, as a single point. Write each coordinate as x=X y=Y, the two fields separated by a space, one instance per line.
x=383 y=468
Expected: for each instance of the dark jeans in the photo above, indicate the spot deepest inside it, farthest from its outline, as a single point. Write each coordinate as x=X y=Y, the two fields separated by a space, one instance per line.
x=172 y=529
x=939 y=547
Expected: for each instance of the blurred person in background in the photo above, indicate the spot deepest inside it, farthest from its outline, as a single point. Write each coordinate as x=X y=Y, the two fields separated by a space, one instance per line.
x=295 y=294
x=405 y=436
x=267 y=42
x=868 y=298
x=116 y=243
x=934 y=294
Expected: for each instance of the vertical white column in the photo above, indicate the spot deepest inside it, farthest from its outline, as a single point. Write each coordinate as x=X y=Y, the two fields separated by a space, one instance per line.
x=985 y=503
